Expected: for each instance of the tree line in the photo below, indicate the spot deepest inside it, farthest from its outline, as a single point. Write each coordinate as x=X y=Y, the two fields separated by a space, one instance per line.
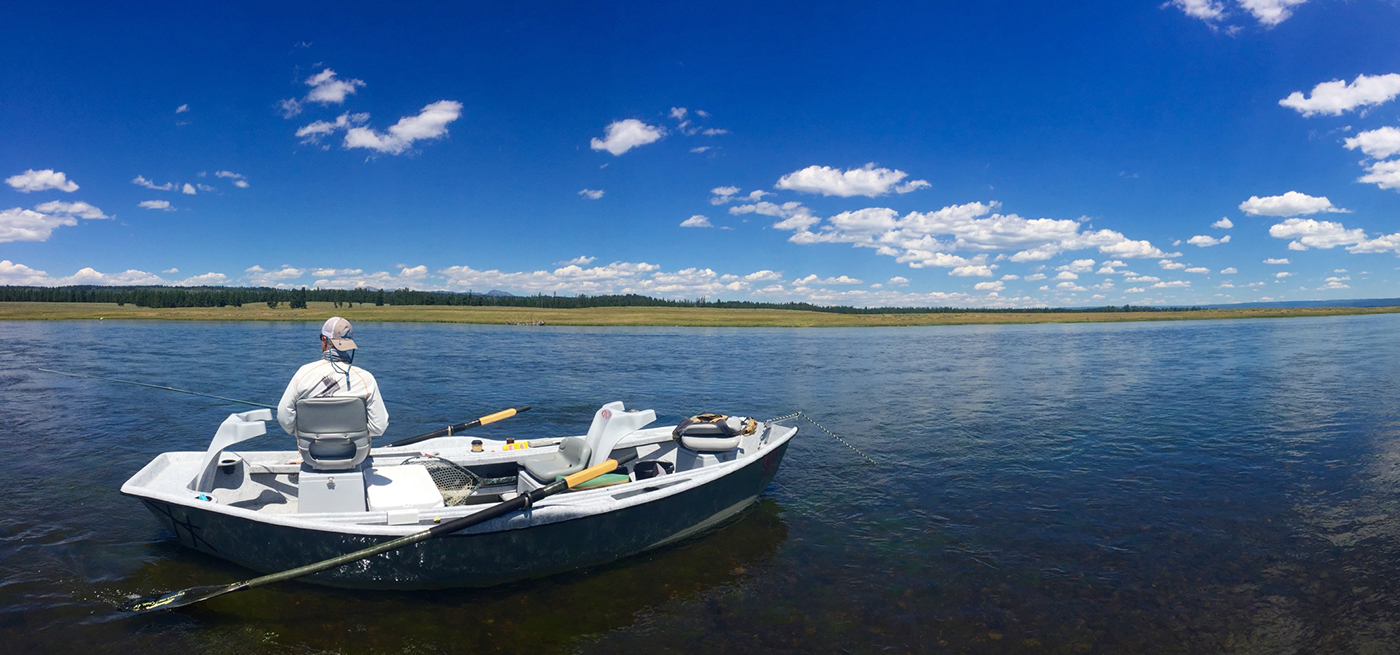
x=163 y=297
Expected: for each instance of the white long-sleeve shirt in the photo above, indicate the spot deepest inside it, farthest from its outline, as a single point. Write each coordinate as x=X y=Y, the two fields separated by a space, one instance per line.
x=324 y=379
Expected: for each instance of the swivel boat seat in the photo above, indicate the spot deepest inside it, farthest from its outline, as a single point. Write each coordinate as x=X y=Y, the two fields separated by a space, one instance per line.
x=333 y=439
x=610 y=424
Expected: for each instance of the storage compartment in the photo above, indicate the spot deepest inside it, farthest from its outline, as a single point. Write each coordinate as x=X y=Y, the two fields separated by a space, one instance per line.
x=401 y=487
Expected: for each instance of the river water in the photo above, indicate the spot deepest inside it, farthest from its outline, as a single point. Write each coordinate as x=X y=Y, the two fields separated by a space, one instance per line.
x=1223 y=486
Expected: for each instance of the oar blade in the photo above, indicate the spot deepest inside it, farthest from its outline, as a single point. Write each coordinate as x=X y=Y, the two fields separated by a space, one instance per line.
x=181 y=598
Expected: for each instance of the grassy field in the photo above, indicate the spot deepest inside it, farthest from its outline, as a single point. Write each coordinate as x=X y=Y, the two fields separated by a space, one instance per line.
x=640 y=316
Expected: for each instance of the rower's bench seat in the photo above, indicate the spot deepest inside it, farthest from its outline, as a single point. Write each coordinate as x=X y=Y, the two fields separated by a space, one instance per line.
x=571 y=458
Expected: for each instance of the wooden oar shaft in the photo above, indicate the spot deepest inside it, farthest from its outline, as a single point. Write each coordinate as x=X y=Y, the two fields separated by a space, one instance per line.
x=453 y=429
x=198 y=594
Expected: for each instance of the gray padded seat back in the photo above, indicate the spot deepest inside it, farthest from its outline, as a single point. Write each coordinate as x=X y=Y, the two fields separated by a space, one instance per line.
x=332 y=433
x=571 y=458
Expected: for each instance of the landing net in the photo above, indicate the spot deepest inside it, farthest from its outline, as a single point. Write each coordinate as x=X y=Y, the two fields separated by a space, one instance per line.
x=454 y=482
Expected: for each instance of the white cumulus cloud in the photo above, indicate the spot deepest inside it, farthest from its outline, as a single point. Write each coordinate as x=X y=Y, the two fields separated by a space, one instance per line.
x=259 y=276
x=19 y=274
x=156 y=204
x=1224 y=223
x=32 y=180
x=79 y=209
x=722 y=194
x=313 y=132
x=1277 y=261
x=327 y=89
x=591 y=194
x=865 y=181
x=430 y=123
x=972 y=270
x=19 y=224
x=1270 y=12
x=1384 y=174
x=1206 y=10
x=1078 y=266
x=1206 y=241
x=239 y=180
x=1309 y=233
x=621 y=136
x=1292 y=203
x=1228 y=271
x=141 y=181
x=696 y=221
x=1377 y=144
x=1337 y=97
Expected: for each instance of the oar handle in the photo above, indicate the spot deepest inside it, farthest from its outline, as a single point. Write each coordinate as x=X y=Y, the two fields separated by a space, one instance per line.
x=594 y=471
x=453 y=429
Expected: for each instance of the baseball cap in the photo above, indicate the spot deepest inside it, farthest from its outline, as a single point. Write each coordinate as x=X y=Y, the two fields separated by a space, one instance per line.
x=338 y=331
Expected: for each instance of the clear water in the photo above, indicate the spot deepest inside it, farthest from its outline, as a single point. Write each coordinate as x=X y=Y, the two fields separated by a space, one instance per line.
x=1172 y=487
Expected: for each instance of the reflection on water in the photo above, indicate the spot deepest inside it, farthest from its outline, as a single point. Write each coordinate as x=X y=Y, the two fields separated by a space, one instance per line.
x=535 y=616
x=1208 y=487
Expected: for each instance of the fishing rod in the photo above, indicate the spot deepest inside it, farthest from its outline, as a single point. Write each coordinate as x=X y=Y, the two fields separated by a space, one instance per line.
x=157 y=386
x=447 y=431
x=192 y=393
x=451 y=429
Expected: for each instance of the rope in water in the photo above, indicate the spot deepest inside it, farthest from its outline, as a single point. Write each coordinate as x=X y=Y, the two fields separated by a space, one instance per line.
x=823 y=429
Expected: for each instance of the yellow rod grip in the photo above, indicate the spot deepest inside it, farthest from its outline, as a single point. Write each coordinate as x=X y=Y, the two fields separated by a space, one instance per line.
x=492 y=418
x=589 y=473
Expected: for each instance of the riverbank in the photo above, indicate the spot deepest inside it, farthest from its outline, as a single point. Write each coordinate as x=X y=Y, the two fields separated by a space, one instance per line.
x=632 y=316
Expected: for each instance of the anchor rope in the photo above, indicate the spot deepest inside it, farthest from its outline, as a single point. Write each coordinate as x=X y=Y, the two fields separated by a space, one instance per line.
x=823 y=429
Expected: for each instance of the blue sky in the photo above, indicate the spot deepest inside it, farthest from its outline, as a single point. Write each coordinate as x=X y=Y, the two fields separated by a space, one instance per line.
x=973 y=154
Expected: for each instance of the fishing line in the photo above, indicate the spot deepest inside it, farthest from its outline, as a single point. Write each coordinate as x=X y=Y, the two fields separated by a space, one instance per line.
x=157 y=386
x=823 y=429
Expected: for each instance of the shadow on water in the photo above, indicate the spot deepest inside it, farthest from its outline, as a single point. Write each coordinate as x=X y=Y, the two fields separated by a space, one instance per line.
x=545 y=615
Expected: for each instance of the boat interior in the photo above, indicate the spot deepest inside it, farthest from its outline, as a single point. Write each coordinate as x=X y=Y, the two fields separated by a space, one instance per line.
x=335 y=474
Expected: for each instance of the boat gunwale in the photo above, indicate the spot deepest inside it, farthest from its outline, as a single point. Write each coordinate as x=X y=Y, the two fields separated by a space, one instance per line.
x=559 y=508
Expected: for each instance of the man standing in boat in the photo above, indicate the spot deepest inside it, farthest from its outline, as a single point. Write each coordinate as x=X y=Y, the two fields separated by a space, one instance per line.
x=334 y=375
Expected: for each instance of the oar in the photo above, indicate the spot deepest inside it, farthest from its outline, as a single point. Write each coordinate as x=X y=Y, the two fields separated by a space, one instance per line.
x=452 y=429
x=194 y=595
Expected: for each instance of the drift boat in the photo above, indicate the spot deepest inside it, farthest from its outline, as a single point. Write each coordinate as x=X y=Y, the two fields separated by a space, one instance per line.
x=271 y=511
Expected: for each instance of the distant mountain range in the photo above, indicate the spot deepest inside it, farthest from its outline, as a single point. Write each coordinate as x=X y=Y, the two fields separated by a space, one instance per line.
x=500 y=294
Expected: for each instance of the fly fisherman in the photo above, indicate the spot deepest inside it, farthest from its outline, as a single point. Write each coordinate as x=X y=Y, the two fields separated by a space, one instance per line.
x=333 y=375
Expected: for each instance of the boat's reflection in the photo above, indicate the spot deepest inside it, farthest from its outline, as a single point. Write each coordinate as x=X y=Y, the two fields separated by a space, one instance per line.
x=551 y=613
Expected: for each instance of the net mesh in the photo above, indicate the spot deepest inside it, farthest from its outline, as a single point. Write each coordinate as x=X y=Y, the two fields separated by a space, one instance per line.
x=454 y=482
